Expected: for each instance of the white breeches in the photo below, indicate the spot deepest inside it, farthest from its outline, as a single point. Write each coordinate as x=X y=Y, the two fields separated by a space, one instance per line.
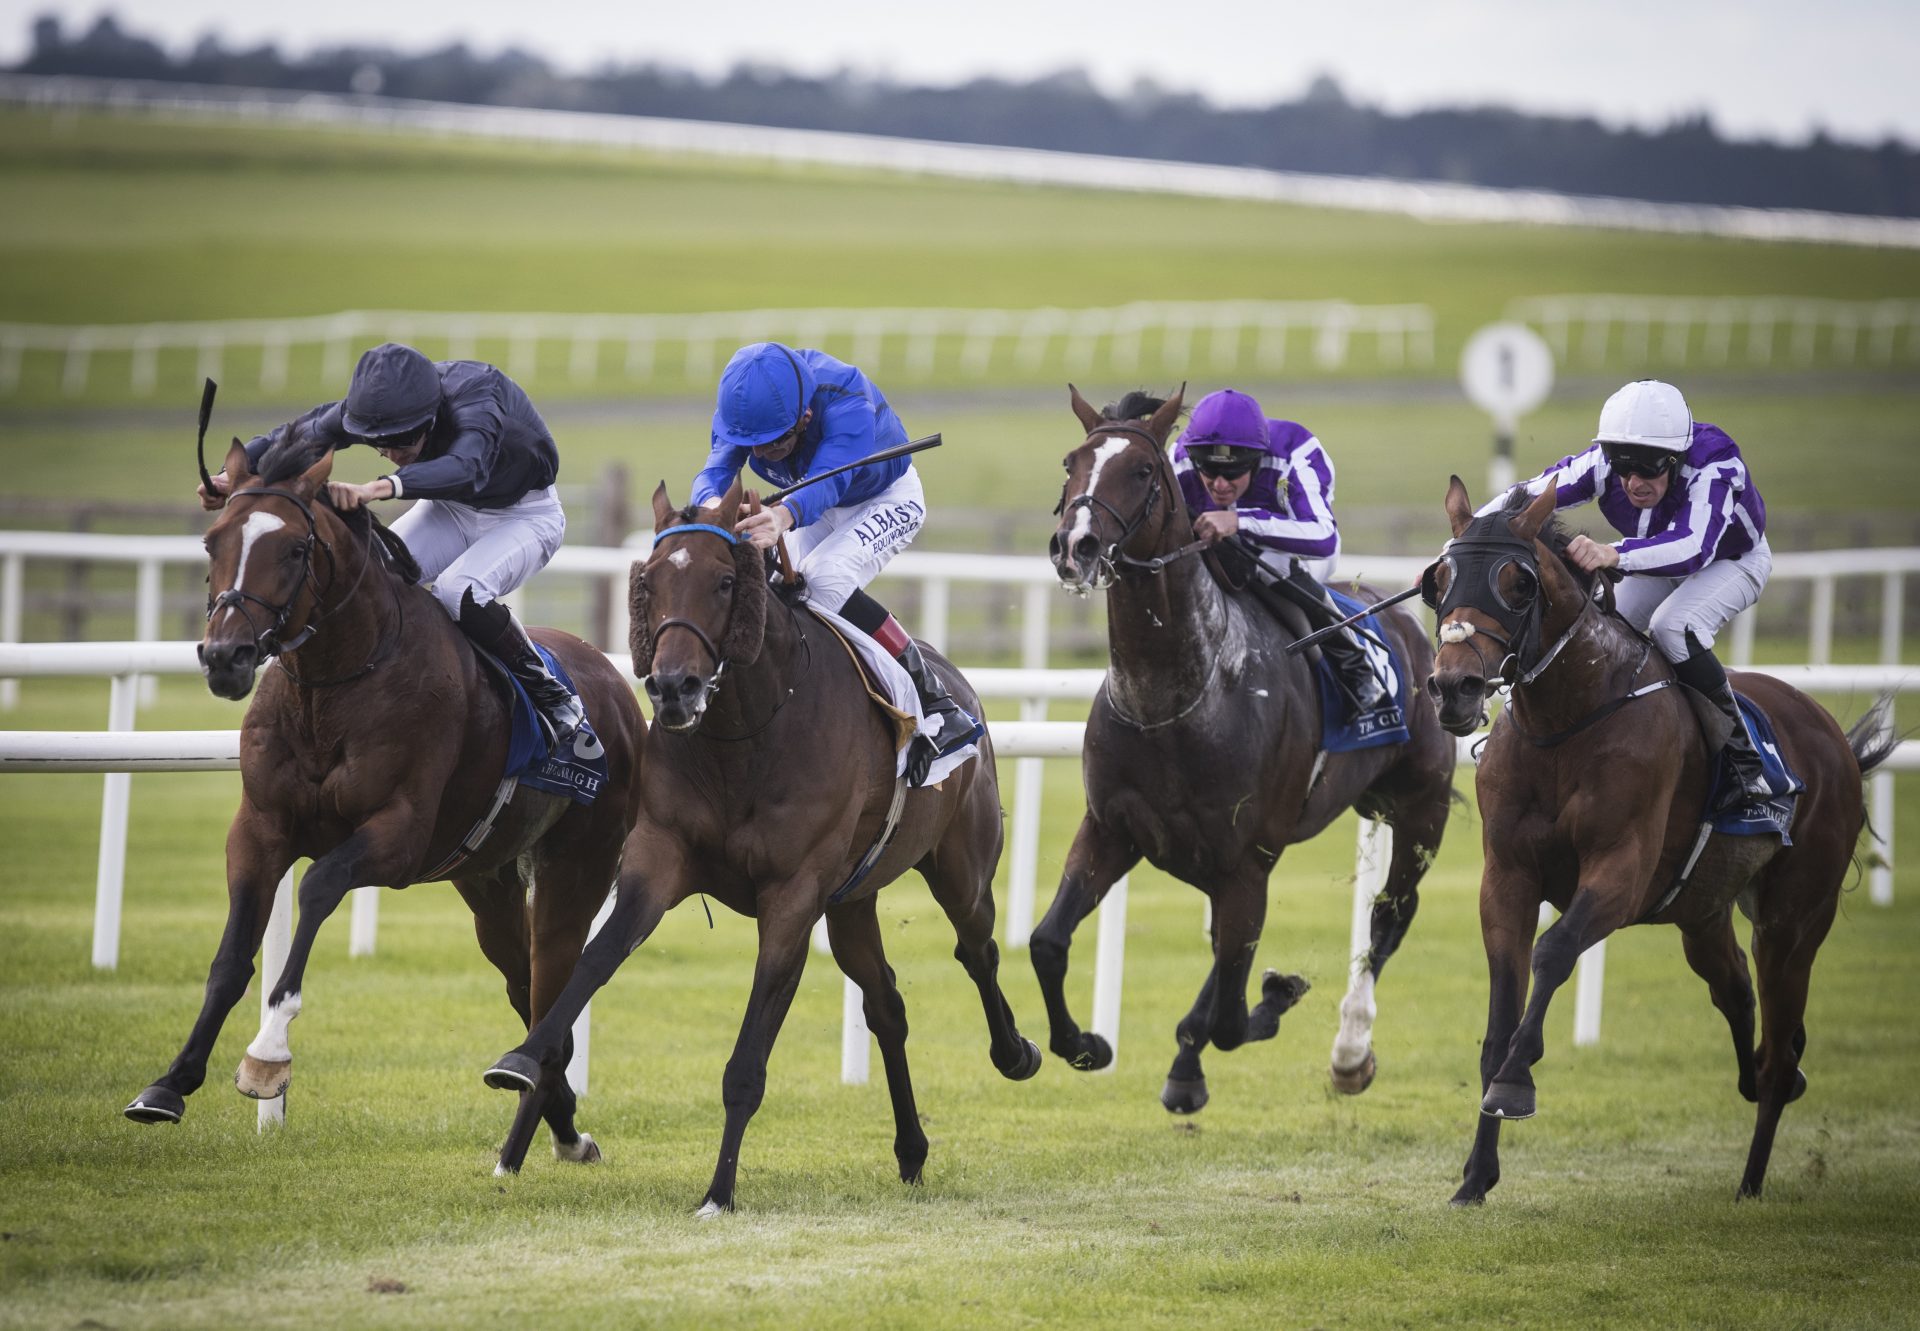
x=1704 y=602
x=843 y=549
x=490 y=550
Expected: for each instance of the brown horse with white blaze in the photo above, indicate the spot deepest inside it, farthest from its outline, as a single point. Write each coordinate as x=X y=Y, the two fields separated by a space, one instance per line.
x=375 y=745
x=770 y=784
x=1579 y=808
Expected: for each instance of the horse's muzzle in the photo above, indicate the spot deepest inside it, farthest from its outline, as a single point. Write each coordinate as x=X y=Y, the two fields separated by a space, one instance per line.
x=1077 y=561
x=229 y=667
x=1460 y=698
x=679 y=698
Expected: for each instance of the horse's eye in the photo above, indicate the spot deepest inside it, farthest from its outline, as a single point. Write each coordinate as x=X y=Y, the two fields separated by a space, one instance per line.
x=293 y=553
x=726 y=585
x=1142 y=472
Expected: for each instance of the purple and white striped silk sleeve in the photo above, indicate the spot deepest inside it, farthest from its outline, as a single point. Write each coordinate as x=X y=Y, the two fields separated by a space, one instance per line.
x=1576 y=478
x=1300 y=519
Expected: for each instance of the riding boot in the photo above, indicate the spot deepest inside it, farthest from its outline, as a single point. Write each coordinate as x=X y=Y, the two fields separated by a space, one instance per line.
x=493 y=627
x=953 y=727
x=1343 y=650
x=1702 y=673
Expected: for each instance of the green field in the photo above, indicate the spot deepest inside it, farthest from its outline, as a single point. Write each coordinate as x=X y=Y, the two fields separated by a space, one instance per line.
x=1065 y=1201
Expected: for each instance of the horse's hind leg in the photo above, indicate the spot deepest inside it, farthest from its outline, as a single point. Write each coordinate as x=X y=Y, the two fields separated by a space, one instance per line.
x=1417 y=828
x=961 y=879
x=1715 y=956
x=1096 y=861
x=256 y=861
x=571 y=891
x=854 y=934
x=1783 y=952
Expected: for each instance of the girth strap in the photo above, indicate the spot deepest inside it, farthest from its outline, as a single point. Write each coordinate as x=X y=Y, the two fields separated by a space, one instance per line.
x=470 y=844
x=872 y=857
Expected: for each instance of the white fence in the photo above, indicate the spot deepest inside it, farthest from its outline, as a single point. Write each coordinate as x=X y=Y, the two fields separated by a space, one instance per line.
x=688 y=349
x=1850 y=331
x=1427 y=200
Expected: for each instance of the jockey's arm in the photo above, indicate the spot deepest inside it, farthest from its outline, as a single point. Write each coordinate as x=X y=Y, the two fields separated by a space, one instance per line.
x=1576 y=480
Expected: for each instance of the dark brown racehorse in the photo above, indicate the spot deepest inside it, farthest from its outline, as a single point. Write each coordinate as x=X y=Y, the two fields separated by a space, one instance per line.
x=1581 y=808
x=374 y=747
x=1203 y=756
x=769 y=779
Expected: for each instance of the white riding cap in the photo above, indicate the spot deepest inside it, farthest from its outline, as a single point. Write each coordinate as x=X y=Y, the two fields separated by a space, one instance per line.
x=1647 y=414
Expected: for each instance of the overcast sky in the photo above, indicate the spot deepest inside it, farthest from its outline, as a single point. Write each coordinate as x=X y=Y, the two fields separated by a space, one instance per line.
x=1773 y=68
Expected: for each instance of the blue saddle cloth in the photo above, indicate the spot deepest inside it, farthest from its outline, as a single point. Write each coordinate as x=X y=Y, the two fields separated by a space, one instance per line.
x=578 y=770
x=1758 y=817
x=1340 y=730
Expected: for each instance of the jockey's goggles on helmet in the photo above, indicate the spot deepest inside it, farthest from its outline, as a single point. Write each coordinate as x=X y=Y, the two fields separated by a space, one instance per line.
x=1228 y=469
x=1650 y=463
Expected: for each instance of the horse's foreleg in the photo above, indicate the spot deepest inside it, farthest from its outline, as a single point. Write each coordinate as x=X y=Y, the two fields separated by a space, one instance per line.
x=854 y=934
x=256 y=860
x=1239 y=914
x=377 y=852
x=787 y=912
x=1509 y=915
x=1715 y=956
x=1185 y=1091
x=1097 y=860
x=1416 y=836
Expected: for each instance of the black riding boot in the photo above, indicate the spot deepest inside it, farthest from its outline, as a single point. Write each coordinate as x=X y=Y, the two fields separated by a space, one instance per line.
x=493 y=627
x=952 y=726
x=1343 y=650
x=1702 y=673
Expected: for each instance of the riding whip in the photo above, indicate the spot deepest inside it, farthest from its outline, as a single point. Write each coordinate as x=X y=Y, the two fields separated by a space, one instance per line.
x=884 y=455
x=200 y=445
x=1301 y=644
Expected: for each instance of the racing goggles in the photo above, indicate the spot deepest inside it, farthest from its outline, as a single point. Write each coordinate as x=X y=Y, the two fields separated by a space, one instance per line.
x=1230 y=468
x=1648 y=463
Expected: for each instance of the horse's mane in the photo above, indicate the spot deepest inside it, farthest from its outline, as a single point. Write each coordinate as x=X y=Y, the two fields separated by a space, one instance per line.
x=1138 y=404
x=292 y=455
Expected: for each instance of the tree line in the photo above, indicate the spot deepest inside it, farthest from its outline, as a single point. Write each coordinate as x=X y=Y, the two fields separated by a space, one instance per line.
x=1323 y=131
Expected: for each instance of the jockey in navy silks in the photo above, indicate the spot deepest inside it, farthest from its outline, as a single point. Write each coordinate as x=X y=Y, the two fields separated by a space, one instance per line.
x=789 y=412
x=470 y=448
x=1694 y=545
x=1271 y=482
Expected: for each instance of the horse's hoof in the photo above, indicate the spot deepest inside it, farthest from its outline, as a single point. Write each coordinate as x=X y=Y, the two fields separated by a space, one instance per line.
x=514 y=1072
x=586 y=1151
x=1467 y=1197
x=710 y=1210
x=1283 y=991
x=1184 y=1097
x=1352 y=1081
x=1092 y=1054
x=157 y=1104
x=1506 y=1099
x=501 y=1170
x=1026 y=1065
x=262 y=1079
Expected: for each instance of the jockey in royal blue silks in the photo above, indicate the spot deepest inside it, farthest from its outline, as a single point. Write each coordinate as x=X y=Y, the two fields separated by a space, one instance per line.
x=470 y=448
x=1694 y=545
x=1271 y=482
x=788 y=412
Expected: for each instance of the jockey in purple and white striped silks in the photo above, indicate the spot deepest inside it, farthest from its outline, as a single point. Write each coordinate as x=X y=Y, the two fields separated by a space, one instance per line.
x=1288 y=503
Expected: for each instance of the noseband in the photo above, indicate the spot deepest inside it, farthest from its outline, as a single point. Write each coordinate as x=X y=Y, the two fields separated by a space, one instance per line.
x=706 y=641
x=1112 y=559
x=267 y=641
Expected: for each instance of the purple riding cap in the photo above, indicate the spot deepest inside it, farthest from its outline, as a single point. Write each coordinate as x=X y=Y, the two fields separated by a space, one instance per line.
x=1288 y=503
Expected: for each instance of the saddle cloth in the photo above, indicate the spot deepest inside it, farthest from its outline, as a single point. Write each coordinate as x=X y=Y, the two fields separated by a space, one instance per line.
x=1340 y=730
x=892 y=691
x=578 y=770
x=1759 y=817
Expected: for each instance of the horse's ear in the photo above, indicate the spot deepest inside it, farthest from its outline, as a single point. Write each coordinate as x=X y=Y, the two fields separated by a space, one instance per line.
x=1459 y=507
x=663 y=513
x=236 y=465
x=314 y=478
x=1083 y=409
x=727 y=510
x=1534 y=516
x=1161 y=422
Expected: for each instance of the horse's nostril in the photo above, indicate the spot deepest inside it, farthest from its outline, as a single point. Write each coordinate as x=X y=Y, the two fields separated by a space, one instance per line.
x=1053 y=546
x=652 y=687
x=1086 y=547
x=689 y=686
x=1472 y=685
x=1433 y=687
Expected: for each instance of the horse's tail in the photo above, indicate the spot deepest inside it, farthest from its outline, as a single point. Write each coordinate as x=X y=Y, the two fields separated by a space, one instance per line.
x=1873 y=738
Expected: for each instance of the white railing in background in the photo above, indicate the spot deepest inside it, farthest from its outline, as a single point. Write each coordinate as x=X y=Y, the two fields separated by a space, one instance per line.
x=1427 y=200
x=1705 y=325
x=679 y=350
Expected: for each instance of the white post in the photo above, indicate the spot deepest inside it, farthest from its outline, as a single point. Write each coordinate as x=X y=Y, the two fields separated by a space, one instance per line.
x=1109 y=962
x=854 y=1044
x=1880 y=881
x=935 y=605
x=1820 y=631
x=1893 y=598
x=12 y=593
x=1029 y=777
x=364 y=925
x=1589 y=980
x=583 y=1024
x=146 y=621
x=273 y=959
x=820 y=943
x=1742 y=653
x=110 y=884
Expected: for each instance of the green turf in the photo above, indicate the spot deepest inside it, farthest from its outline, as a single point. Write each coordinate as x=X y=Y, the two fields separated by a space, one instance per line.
x=1068 y=1200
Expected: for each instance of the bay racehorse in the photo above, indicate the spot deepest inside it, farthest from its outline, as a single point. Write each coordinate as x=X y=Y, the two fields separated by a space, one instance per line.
x=1203 y=756
x=375 y=745
x=1583 y=807
x=769 y=782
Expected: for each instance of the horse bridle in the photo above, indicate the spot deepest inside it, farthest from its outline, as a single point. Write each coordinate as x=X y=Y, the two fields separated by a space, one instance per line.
x=1475 y=560
x=1113 y=558
x=720 y=662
